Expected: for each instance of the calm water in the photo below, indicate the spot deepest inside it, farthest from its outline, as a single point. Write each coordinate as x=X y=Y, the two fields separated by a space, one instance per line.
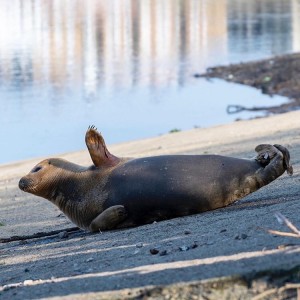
x=127 y=67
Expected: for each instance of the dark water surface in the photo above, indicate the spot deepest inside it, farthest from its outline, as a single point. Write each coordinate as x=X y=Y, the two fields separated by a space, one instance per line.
x=127 y=67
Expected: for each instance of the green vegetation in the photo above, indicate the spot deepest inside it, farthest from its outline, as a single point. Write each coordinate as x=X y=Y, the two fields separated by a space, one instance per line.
x=174 y=130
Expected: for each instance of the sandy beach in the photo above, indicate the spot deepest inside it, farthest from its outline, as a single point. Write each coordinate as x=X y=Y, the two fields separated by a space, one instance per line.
x=194 y=252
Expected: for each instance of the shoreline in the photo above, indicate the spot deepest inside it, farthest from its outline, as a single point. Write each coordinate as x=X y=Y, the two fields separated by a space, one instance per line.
x=278 y=75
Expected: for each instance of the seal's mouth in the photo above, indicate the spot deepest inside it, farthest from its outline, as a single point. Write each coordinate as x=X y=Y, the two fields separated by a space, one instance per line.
x=24 y=184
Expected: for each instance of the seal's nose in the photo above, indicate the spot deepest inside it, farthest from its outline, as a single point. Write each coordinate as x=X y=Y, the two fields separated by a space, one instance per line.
x=23 y=183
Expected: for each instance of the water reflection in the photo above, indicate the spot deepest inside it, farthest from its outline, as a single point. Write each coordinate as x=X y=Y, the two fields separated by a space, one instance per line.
x=75 y=61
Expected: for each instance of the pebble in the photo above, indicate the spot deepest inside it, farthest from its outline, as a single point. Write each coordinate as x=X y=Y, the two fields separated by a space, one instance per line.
x=195 y=245
x=90 y=259
x=187 y=232
x=154 y=251
x=163 y=253
x=139 y=245
x=241 y=237
x=184 y=248
x=244 y=236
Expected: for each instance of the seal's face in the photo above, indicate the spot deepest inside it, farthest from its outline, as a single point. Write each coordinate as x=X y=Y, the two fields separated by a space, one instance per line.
x=41 y=179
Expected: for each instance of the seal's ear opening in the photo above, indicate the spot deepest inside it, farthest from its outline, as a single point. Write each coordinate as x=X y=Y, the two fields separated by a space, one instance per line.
x=97 y=148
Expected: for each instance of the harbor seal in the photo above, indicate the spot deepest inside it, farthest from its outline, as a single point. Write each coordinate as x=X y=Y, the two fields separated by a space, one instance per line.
x=123 y=192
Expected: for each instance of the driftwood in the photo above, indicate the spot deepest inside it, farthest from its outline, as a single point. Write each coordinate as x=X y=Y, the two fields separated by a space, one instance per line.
x=234 y=109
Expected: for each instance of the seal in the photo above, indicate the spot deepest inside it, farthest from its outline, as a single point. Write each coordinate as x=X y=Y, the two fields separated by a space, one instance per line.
x=124 y=192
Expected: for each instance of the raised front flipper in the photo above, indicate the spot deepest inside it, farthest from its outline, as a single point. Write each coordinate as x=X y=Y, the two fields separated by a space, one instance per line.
x=275 y=161
x=109 y=218
x=97 y=148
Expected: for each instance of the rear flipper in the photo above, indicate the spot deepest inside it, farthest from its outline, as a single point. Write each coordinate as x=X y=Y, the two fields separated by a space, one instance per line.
x=275 y=161
x=109 y=218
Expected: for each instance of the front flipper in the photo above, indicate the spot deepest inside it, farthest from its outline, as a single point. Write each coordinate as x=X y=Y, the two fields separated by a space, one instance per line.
x=109 y=218
x=275 y=161
x=97 y=148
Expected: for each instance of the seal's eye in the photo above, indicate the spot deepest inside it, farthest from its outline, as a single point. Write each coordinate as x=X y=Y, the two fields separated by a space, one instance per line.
x=36 y=169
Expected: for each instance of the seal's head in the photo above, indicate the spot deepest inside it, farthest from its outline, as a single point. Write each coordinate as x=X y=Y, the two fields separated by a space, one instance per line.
x=37 y=181
x=45 y=177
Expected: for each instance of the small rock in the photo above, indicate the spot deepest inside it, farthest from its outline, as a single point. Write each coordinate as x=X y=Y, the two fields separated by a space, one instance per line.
x=195 y=245
x=90 y=259
x=26 y=270
x=139 y=245
x=154 y=251
x=163 y=253
x=241 y=236
x=187 y=232
x=184 y=248
x=223 y=230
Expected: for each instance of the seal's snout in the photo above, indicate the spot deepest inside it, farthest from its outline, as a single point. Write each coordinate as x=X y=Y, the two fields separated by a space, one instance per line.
x=23 y=183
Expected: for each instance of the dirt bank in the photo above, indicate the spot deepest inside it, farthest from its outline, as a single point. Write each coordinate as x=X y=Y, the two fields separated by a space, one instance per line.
x=278 y=75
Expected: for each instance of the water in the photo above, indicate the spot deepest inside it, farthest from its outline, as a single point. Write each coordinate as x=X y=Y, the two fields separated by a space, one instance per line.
x=127 y=67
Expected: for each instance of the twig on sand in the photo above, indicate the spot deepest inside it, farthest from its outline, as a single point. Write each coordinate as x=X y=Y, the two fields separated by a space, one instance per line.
x=283 y=220
x=281 y=233
x=278 y=291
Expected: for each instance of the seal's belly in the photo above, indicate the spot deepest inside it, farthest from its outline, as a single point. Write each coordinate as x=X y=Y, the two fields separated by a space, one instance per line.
x=168 y=186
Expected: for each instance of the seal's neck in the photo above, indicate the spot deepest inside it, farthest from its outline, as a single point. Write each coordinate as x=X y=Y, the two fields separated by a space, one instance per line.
x=68 y=195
